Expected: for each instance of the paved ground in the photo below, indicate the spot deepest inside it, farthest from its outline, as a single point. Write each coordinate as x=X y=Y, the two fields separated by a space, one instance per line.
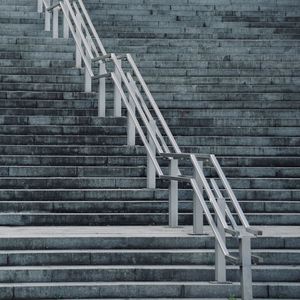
x=128 y=231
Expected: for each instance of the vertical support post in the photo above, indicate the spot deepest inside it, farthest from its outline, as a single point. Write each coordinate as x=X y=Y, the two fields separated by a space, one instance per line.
x=40 y=6
x=151 y=173
x=66 y=26
x=55 y=23
x=87 y=75
x=197 y=208
x=131 y=132
x=47 y=17
x=245 y=268
x=220 y=261
x=78 y=55
x=173 y=194
x=102 y=91
x=117 y=94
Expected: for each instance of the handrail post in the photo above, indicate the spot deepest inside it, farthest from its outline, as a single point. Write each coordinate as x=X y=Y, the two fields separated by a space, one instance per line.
x=55 y=22
x=130 y=124
x=151 y=174
x=40 y=6
x=87 y=76
x=66 y=27
x=245 y=267
x=102 y=91
x=117 y=95
x=220 y=261
x=78 y=54
x=197 y=208
x=47 y=17
x=173 y=194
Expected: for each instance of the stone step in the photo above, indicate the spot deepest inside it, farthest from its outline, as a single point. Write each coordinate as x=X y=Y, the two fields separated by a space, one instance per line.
x=65 y=290
x=118 y=130
x=69 y=140
x=168 y=113
x=163 y=104
x=136 y=169
x=161 y=273
x=135 y=194
x=135 y=207
x=123 y=150
x=186 y=122
x=230 y=162
x=131 y=219
x=133 y=256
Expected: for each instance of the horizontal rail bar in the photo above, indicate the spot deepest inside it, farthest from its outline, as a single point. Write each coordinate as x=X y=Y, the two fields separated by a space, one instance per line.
x=177 y=178
x=102 y=76
x=185 y=155
x=53 y=6
x=102 y=57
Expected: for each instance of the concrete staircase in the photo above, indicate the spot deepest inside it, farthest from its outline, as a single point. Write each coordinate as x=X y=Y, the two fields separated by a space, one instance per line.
x=226 y=76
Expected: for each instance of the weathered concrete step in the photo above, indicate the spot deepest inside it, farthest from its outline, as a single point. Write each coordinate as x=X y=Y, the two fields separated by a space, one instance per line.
x=133 y=160
x=65 y=290
x=168 y=113
x=106 y=171
x=47 y=79
x=135 y=207
x=121 y=130
x=124 y=150
x=21 y=70
x=131 y=219
x=41 y=63
x=214 y=72
x=214 y=57
x=55 y=87
x=52 y=129
x=37 y=48
x=231 y=80
x=163 y=104
x=137 y=168
x=68 y=139
x=235 y=88
x=232 y=121
x=72 y=150
x=131 y=194
x=133 y=256
x=113 y=240
x=73 y=182
x=34 y=274
x=56 y=120
x=36 y=55
x=57 y=104
x=182 y=122
x=51 y=112
x=205 y=43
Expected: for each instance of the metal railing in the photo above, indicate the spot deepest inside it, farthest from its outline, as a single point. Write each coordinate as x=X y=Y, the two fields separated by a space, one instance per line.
x=146 y=120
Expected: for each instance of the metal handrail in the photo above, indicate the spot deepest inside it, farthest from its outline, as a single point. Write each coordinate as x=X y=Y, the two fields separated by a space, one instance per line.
x=142 y=108
x=84 y=40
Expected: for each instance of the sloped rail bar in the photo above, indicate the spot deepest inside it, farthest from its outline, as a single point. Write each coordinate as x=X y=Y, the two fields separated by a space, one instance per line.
x=145 y=118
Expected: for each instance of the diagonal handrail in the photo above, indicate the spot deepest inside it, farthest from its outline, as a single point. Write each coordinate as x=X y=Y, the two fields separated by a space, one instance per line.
x=158 y=138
